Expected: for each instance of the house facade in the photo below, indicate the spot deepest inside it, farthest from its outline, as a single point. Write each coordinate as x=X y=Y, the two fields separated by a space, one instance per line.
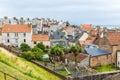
x=98 y=56
x=15 y=35
x=44 y=38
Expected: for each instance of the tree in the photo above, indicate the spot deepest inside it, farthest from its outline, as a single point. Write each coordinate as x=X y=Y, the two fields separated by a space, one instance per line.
x=25 y=47
x=56 y=52
x=75 y=50
x=36 y=49
x=41 y=46
x=32 y=55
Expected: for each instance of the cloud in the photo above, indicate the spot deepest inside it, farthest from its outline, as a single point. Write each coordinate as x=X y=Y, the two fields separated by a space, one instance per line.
x=76 y=11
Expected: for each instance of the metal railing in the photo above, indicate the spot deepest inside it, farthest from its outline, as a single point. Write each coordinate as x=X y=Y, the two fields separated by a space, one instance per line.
x=6 y=74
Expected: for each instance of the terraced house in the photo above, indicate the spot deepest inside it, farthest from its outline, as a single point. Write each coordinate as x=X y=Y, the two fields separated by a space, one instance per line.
x=15 y=34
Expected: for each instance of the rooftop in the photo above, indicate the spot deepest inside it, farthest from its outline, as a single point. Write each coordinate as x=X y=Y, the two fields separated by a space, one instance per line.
x=93 y=50
x=113 y=37
x=86 y=27
x=79 y=57
x=16 y=28
x=40 y=37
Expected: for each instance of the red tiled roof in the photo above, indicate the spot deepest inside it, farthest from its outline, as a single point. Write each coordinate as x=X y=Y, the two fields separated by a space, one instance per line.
x=87 y=27
x=70 y=56
x=113 y=37
x=90 y=40
x=16 y=28
x=40 y=37
x=79 y=57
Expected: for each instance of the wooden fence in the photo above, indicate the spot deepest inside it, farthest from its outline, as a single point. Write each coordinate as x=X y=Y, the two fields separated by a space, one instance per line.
x=5 y=76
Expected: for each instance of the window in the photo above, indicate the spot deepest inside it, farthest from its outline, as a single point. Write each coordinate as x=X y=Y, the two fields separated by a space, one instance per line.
x=16 y=40
x=7 y=34
x=24 y=40
x=16 y=34
x=8 y=41
x=24 y=34
x=34 y=42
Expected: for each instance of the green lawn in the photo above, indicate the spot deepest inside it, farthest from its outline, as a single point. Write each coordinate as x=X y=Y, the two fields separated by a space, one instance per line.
x=63 y=72
x=22 y=68
x=107 y=68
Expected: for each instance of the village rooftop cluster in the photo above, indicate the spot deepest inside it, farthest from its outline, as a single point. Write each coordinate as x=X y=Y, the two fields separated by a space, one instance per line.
x=100 y=45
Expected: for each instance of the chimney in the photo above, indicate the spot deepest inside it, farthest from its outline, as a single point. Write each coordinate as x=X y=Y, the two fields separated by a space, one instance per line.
x=104 y=32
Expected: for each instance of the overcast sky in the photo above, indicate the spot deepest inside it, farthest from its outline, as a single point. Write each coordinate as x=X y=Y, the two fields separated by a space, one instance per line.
x=75 y=11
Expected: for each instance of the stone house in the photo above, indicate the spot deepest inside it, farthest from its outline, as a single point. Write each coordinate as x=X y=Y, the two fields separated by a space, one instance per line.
x=82 y=59
x=114 y=40
x=97 y=56
x=109 y=41
x=15 y=34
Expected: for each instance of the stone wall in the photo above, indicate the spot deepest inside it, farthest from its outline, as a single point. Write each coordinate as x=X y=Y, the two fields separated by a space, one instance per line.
x=99 y=76
x=100 y=60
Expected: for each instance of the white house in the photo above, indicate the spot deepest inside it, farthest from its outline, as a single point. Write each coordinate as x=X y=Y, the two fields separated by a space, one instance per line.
x=37 y=38
x=83 y=38
x=15 y=34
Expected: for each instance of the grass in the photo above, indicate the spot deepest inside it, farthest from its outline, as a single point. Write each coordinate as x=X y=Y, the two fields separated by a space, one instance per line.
x=17 y=66
x=107 y=68
x=63 y=72
x=12 y=72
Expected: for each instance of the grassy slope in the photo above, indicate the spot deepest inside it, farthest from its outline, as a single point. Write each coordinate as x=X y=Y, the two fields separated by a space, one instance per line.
x=23 y=67
x=12 y=72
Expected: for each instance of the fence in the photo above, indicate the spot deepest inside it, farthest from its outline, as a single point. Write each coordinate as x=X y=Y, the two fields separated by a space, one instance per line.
x=50 y=70
x=99 y=76
x=5 y=76
x=14 y=50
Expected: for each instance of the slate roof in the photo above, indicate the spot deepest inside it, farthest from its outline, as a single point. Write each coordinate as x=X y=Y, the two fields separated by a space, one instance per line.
x=95 y=51
x=57 y=35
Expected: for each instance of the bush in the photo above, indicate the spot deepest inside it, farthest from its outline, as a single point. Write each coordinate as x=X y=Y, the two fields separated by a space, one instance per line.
x=36 y=49
x=28 y=55
x=32 y=55
x=25 y=47
x=41 y=46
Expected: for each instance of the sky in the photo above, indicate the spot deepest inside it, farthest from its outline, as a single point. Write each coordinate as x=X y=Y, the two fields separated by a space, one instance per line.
x=97 y=12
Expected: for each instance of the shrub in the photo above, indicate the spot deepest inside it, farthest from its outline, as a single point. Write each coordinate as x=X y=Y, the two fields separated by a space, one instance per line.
x=36 y=49
x=25 y=47
x=32 y=55
x=28 y=55
x=41 y=46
